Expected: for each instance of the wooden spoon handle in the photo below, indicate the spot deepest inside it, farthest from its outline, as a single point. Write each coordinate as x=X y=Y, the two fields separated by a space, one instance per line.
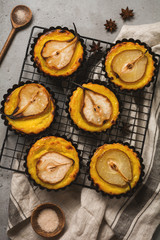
x=7 y=44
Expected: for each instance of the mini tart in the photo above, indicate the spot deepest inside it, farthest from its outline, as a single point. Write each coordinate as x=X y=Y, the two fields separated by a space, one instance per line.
x=33 y=124
x=61 y=35
x=52 y=144
x=76 y=104
x=147 y=68
x=135 y=168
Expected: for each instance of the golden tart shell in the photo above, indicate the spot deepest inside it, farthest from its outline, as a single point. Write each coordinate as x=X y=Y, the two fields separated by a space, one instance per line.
x=110 y=188
x=58 y=35
x=52 y=144
x=75 y=106
x=29 y=125
x=123 y=46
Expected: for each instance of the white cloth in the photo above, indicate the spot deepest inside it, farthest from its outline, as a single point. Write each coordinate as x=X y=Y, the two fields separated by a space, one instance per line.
x=89 y=215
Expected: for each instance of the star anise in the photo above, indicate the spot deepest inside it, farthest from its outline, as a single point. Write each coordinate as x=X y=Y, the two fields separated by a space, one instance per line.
x=110 y=25
x=95 y=47
x=125 y=128
x=126 y=13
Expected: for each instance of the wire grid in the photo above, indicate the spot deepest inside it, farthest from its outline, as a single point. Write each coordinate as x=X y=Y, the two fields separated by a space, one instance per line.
x=130 y=127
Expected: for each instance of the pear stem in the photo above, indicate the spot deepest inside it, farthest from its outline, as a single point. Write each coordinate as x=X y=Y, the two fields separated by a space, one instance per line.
x=115 y=168
x=75 y=29
x=84 y=88
x=131 y=64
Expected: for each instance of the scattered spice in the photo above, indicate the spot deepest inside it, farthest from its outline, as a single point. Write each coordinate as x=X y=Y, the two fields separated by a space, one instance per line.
x=126 y=13
x=110 y=25
x=48 y=220
x=95 y=47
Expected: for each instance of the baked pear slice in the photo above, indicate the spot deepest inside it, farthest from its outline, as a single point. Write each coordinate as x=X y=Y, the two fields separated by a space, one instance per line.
x=53 y=162
x=115 y=168
x=29 y=108
x=96 y=108
x=52 y=167
x=33 y=99
x=58 y=54
x=93 y=107
x=130 y=65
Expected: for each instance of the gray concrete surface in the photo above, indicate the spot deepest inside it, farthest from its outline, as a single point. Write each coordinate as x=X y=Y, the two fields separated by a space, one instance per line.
x=89 y=17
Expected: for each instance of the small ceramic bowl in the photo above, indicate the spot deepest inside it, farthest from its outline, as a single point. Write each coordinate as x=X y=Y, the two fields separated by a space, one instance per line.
x=38 y=229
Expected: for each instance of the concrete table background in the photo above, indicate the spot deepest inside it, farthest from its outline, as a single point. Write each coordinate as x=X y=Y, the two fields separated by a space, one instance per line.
x=89 y=17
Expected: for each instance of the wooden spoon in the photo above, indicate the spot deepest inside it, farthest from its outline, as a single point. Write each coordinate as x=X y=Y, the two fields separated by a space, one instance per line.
x=20 y=17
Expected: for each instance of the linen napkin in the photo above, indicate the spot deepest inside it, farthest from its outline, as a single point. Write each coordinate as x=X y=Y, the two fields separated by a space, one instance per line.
x=89 y=215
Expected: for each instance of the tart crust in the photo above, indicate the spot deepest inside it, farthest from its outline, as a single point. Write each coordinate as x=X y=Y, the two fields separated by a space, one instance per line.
x=123 y=46
x=33 y=124
x=52 y=144
x=110 y=188
x=58 y=35
x=75 y=106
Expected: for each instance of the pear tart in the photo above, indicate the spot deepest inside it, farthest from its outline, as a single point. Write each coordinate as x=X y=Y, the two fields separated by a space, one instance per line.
x=52 y=162
x=58 y=52
x=130 y=65
x=29 y=109
x=93 y=107
x=115 y=168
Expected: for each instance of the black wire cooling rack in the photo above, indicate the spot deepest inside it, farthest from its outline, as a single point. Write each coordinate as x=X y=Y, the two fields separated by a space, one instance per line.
x=130 y=127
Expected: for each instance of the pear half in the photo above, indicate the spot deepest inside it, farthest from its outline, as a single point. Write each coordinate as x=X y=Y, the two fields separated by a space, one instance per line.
x=32 y=100
x=130 y=65
x=114 y=167
x=96 y=108
x=52 y=167
x=58 y=54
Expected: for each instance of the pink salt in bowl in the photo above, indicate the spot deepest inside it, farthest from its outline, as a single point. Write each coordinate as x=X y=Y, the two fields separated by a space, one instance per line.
x=48 y=220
